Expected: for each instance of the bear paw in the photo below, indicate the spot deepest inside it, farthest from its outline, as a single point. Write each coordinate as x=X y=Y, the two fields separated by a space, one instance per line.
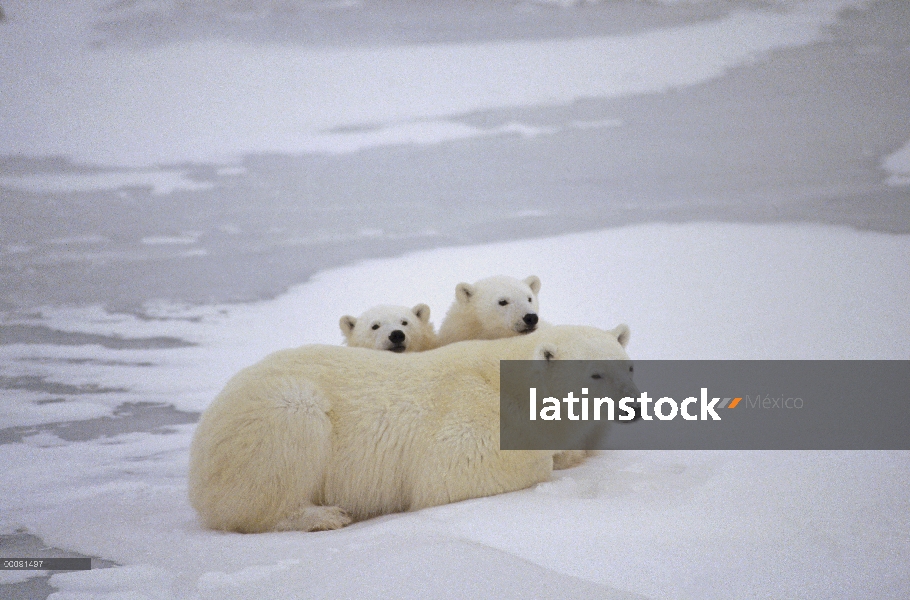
x=566 y=459
x=314 y=518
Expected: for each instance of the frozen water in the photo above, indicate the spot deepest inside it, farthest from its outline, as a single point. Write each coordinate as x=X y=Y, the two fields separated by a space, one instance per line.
x=898 y=164
x=624 y=523
x=700 y=111
x=167 y=104
x=188 y=186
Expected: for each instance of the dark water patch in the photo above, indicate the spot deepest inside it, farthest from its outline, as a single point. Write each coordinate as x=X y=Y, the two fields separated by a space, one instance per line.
x=17 y=164
x=354 y=129
x=387 y=22
x=50 y=401
x=51 y=360
x=25 y=545
x=42 y=334
x=144 y=316
x=36 y=588
x=36 y=383
x=129 y=417
x=798 y=136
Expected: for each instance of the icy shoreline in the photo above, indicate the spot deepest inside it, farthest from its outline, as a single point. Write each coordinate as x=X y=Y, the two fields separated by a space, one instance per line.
x=689 y=291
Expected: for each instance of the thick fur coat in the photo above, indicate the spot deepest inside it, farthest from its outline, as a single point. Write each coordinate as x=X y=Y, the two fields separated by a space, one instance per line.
x=313 y=437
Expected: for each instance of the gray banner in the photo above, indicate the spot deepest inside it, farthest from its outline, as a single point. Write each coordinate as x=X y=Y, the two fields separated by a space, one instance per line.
x=45 y=564
x=705 y=405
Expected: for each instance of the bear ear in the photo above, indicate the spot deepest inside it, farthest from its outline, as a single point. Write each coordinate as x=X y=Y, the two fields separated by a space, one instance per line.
x=422 y=312
x=464 y=291
x=622 y=334
x=545 y=352
x=534 y=283
x=347 y=324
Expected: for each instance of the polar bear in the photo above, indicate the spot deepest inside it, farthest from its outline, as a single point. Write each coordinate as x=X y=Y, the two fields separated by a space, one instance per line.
x=313 y=437
x=395 y=328
x=492 y=308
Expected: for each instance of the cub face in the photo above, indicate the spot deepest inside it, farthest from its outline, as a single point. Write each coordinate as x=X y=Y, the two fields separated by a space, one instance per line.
x=393 y=328
x=504 y=306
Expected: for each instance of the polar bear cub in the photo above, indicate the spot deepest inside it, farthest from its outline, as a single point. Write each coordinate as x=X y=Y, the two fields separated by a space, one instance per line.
x=394 y=328
x=492 y=308
x=499 y=307
x=313 y=437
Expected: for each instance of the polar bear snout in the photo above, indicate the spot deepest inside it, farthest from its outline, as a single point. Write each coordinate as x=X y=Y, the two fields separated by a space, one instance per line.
x=528 y=323
x=398 y=338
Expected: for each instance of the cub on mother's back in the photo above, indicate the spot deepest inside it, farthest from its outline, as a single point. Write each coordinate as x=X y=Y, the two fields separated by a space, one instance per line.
x=313 y=437
x=387 y=327
x=492 y=308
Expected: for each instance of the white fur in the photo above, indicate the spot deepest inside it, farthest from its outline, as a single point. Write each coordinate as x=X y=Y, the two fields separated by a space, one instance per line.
x=566 y=459
x=376 y=329
x=313 y=437
x=478 y=312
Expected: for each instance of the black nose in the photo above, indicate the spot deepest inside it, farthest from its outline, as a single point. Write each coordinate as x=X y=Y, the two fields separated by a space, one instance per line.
x=530 y=319
x=396 y=337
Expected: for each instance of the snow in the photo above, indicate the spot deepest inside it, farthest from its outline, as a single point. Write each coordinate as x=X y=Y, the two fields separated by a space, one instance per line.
x=161 y=181
x=658 y=524
x=168 y=104
x=624 y=524
x=744 y=292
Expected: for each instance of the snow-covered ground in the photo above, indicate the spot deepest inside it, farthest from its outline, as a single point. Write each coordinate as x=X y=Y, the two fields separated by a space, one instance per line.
x=188 y=186
x=659 y=524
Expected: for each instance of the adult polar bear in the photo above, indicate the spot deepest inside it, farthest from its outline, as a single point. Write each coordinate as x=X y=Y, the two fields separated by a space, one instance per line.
x=313 y=437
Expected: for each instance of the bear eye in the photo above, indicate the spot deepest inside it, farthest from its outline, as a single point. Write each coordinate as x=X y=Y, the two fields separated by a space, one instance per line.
x=597 y=376
x=503 y=302
x=529 y=299
x=404 y=323
x=375 y=326
x=631 y=368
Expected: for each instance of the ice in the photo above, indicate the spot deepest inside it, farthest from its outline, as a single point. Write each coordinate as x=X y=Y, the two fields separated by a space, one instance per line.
x=20 y=409
x=898 y=165
x=110 y=583
x=160 y=182
x=659 y=524
x=697 y=291
x=167 y=104
x=624 y=524
x=10 y=576
x=421 y=132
